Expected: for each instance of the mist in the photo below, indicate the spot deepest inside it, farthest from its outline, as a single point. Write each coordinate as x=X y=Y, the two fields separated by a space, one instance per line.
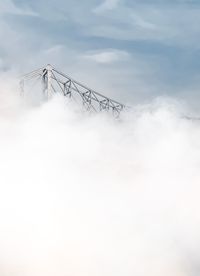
x=91 y=195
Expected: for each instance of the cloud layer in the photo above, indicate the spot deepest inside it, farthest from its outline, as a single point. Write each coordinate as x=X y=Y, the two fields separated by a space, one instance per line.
x=94 y=196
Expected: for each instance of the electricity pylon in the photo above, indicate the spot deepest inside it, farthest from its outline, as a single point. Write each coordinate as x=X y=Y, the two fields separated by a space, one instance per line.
x=54 y=81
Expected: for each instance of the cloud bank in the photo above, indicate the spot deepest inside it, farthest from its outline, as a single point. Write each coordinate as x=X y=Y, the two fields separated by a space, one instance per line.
x=89 y=195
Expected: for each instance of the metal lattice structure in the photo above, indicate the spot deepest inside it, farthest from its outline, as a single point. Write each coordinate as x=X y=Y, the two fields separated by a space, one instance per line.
x=54 y=81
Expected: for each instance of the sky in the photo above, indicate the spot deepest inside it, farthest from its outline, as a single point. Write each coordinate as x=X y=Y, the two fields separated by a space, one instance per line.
x=131 y=50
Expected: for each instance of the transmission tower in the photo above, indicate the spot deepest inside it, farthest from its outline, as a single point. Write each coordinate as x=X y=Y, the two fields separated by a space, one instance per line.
x=54 y=81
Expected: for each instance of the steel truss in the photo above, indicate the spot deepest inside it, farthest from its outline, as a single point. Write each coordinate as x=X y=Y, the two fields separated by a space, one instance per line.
x=54 y=81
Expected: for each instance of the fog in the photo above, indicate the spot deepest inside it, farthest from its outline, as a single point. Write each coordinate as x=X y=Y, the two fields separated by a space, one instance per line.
x=91 y=195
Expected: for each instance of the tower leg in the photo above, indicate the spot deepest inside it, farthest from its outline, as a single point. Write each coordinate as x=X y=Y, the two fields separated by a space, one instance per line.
x=46 y=81
x=49 y=76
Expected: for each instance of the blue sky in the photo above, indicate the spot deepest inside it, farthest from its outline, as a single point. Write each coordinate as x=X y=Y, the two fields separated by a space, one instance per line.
x=129 y=49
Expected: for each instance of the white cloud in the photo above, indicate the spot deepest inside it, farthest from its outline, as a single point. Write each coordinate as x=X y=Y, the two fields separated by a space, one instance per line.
x=7 y=6
x=55 y=49
x=139 y=21
x=92 y=197
x=107 y=56
x=142 y=23
x=107 y=5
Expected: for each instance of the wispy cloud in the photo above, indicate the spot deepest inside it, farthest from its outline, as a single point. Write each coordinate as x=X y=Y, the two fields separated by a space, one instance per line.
x=143 y=23
x=107 y=5
x=8 y=6
x=161 y=22
x=107 y=56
